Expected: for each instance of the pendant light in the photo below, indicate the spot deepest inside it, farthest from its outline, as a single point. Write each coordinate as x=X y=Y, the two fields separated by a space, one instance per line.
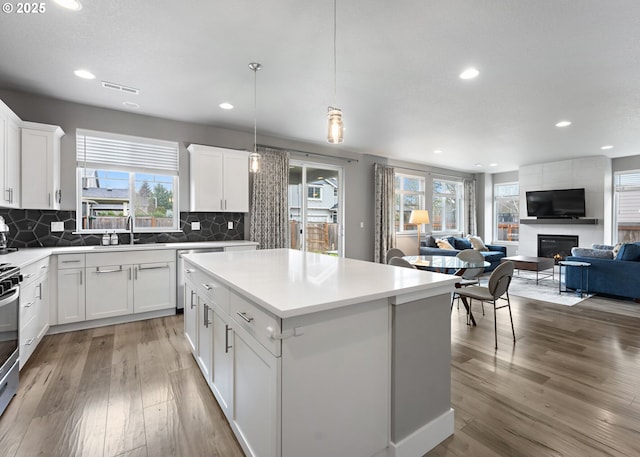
x=254 y=157
x=335 y=130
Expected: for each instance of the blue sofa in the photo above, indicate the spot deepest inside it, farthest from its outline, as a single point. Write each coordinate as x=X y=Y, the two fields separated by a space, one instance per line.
x=493 y=255
x=617 y=277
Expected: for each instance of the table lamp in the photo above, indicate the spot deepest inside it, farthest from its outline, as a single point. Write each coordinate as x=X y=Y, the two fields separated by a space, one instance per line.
x=419 y=217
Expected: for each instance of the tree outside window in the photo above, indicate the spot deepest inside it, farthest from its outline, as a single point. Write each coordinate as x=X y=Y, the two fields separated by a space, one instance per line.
x=409 y=195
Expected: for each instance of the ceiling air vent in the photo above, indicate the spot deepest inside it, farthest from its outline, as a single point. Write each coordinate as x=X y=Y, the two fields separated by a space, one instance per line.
x=120 y=87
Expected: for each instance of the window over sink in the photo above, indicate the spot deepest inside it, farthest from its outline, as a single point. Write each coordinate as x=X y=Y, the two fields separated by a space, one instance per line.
x=126 y=183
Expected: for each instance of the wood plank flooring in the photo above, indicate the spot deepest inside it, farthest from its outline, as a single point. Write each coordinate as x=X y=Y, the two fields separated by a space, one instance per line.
x=570 y=386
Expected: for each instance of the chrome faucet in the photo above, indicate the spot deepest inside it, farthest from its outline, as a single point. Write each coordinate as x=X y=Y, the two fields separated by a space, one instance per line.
x=130 y=228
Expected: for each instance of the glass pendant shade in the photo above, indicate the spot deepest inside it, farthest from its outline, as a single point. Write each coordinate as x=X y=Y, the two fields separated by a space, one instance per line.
x=335 y=131
x=254 y=162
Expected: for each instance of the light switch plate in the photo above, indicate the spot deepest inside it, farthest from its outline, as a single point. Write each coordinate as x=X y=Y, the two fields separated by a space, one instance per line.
x=57 y=226
x=195 y=226
x=230 y=225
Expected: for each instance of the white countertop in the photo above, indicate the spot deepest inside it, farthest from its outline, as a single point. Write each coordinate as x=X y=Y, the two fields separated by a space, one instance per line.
x=291 y=283
x=25 y=256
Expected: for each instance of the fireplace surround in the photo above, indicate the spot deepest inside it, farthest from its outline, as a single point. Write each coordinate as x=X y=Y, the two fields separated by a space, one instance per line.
x=557 y=247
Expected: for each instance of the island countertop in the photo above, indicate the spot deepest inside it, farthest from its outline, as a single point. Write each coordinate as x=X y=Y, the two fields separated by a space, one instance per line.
x=291 y=283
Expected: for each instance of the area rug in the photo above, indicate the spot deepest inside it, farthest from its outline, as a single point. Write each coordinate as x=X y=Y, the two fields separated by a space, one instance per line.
x=524 y=285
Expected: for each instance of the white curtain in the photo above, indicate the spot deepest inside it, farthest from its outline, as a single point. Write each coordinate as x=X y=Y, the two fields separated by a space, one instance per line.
x=269 y=200
x=384 y=179
x=470 y=219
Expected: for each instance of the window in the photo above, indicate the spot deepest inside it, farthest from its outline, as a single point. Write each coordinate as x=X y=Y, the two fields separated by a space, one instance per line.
x=627 y=206
x=506 y=199
x=447 y=206
x=409 y=195
x=314 y=192
x=123 y=180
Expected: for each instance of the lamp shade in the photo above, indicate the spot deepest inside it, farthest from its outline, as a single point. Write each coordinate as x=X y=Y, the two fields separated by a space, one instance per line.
x=419 y=216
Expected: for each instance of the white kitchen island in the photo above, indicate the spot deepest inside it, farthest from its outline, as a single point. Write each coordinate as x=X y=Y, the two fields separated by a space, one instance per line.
x=314 y=355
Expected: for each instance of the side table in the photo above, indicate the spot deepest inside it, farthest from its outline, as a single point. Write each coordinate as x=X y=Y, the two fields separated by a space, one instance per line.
x=584 y=267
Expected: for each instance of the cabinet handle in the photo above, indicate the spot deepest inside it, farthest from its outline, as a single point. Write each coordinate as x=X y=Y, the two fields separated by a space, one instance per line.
x=49 y=198
x=28 y=276
x=226 y=338
x=225 y=204
x=129 y=269
x=29 y=305
x=207 y=286
x=245 y=317
x=220 y=203
x=28 y=343
x=40 y=291
x=188 y=271
x=98 y=270
x=162 y=267
x=80 y=277
x=192 y=295
x=135 y=273
x=70 y=261
x=206 y=316
x=59 y=192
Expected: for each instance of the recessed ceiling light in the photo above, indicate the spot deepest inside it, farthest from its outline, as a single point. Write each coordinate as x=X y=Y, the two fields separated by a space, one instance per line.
x=84 y=74
x=478 y=165
x=437 y=151
x=493 y=164
x=225 y=105
x=563 y=124
x=73 y=5
x=608 y=146
x=131 y=105
x=469 y=73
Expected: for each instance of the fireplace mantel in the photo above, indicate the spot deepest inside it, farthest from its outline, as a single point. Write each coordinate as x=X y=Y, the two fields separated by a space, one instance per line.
x=560 y=220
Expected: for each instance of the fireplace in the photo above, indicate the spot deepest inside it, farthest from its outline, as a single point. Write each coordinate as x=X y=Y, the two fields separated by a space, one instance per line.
x=557 y=247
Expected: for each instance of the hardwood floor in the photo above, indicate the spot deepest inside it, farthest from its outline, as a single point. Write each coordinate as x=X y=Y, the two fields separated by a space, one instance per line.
x=570 y=386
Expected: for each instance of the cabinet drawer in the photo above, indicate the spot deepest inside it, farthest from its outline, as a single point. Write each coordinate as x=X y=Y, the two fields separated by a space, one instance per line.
x=35 y=269
x=30 y=299
x=28 y=340
x=66 y=261
x=256 y=321
x=215 y=292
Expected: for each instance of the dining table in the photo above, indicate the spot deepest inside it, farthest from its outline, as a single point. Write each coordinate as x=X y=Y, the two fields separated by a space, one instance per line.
x=447 y=264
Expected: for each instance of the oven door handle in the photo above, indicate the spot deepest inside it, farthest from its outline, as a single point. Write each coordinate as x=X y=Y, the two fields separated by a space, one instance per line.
x=5 y=301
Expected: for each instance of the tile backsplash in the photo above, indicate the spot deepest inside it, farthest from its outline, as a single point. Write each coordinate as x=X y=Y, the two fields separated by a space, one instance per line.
x=32 y=228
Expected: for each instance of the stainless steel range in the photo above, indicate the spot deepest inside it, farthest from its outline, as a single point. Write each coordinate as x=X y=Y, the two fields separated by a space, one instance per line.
x=10 y=279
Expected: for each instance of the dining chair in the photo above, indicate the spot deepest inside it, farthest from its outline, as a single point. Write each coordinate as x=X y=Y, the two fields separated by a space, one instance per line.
x=497 y=288
x=400 y=262
x=469 y=276
x=394 y=252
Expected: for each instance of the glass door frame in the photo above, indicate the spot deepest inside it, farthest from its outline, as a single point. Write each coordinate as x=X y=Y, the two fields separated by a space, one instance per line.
x=304 y=209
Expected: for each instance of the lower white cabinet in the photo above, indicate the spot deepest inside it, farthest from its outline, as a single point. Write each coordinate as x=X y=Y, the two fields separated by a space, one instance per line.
x=34 y=307
x=205 y=337
x=222 y=360
x=109 y=291
x=71 y=288
x=191 y=315
x=154 y=286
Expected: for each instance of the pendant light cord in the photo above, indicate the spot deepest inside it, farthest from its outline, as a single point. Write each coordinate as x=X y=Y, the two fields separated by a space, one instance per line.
x=335 y=60
x=255 y=110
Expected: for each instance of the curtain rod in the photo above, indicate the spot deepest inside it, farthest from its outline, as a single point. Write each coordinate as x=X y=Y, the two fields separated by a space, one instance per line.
x=297 y=151
x=429 y=172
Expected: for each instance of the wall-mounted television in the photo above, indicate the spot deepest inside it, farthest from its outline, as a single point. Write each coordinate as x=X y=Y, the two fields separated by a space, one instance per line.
x=556 y=203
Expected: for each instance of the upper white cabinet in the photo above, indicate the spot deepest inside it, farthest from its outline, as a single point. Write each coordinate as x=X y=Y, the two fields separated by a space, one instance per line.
x=9 y=157
x=219 y=179
x=41 y=166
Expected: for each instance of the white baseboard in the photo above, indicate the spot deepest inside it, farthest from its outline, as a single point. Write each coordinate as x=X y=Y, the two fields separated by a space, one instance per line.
x=109 y=321
x=426 y=438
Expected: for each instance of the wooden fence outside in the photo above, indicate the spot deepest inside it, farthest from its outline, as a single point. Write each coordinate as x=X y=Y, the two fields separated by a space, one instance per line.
x=321 y=236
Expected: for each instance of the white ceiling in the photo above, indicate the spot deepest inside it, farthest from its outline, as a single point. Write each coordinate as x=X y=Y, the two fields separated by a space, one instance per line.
x=540 y=61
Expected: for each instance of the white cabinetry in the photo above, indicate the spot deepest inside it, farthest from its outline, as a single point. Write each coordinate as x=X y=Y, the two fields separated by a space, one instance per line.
x=41 y=166
x=154 y=284
x=71 y=288
x=190 y=311
x=34 y=307
x=219 y=179
x=109 y=290
x=9 y=157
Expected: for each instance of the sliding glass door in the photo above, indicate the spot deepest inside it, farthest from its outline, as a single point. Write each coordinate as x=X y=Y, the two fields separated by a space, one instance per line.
x=315 y=208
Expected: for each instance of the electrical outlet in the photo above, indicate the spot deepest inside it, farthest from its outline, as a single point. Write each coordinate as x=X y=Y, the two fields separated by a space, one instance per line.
x=230 y=225
x=195 y=226
x=57 y=226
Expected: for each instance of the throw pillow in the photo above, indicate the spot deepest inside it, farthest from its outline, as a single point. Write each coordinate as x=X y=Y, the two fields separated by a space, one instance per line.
x=461 y=244
x=616 y=249
x=629 y=251
x=589 y=252
x=476 y=243
x=430 y=242
x=444 y=244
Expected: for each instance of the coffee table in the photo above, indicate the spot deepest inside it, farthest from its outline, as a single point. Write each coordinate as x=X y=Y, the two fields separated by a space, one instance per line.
x=530 y=263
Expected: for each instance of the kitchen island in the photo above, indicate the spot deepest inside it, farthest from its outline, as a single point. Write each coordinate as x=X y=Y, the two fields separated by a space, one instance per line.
x=315 y=355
